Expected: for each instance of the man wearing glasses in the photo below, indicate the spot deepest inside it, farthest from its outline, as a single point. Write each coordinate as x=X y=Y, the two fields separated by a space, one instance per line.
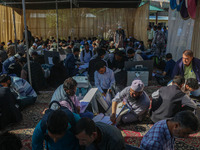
x=137 y=101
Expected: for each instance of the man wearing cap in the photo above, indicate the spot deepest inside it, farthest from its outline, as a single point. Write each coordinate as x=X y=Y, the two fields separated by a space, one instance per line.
x=136 y=99
x=8 y=61
x=119 y=37
x=32 y=49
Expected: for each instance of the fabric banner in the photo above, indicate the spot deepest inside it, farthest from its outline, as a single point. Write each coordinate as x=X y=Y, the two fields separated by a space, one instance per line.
x=179 y=34
x=196 y=33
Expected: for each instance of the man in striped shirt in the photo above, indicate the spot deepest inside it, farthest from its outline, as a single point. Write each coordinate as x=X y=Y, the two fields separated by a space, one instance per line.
x=24 y=92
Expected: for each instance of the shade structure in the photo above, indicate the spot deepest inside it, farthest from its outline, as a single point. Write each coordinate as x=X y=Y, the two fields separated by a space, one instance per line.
x=50 y=4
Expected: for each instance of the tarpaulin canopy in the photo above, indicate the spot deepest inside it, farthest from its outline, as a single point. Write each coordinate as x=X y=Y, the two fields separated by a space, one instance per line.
x=50 y=4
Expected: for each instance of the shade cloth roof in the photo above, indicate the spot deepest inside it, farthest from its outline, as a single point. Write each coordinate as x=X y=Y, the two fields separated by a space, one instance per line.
x=152 y=8
x=50 y=4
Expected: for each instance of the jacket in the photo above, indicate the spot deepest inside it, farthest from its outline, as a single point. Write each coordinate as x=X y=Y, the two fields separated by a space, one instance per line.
x=179 y=68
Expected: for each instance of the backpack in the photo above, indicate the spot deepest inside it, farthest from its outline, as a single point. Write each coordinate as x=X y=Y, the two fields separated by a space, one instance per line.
x=84 y=53
x=43 y=124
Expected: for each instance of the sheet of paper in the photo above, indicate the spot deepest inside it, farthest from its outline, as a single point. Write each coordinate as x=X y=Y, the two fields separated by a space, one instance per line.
x=106 y=119
x=84 y=105
x=98 y=117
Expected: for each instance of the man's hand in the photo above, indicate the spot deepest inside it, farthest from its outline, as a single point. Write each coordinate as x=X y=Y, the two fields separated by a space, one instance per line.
x=104 y=94
x=113 y=118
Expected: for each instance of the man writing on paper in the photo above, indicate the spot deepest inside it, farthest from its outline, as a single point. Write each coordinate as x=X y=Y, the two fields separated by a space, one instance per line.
x=136 y=99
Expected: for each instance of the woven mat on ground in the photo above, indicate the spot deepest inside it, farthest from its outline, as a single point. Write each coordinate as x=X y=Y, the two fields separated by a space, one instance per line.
x=133 y=134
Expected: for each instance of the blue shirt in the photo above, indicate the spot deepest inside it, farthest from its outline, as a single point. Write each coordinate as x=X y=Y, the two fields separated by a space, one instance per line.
x=68 y=141
x=87 y=56
x=104 y=81
x=158 y=138
x=169 y=67
x=6 y=64
x=22 y=88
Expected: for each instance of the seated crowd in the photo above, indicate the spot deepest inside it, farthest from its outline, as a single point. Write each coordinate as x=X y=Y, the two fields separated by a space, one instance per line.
x=64 y=126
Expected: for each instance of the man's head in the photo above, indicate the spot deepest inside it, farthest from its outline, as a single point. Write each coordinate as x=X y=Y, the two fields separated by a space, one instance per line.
x=131 y=53
x=9 y=141
x=136 y=89
x=34 y=46
x=100 y=67
x=179 y=81
x=168 y=56
x=119 y=55
x=57 y=124
x=86 y=131
x=101 y=53
x=87 y=47
x=5 y=80
x=76 y=52
x=119 y=27
x=159 y=27
x=187 y=57
x=149 y=27
x=34 y=55
x=149 y=42
x=191 y=84
x=70 y=86
x=183 y=124
x=2 y=43
x=155 y=28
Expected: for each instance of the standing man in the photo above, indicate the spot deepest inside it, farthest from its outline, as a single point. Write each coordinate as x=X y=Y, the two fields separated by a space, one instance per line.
x=29 y=36
x=159 y=40
x=162 y=135
x=119 y=37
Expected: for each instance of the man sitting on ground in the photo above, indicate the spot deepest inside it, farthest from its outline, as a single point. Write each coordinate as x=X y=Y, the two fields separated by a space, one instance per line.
x=188 y=67
x=137 y=100
x=57 y=131
x=167 y=73
x=103 y=77
x=86 y=54
x=101 y=53
x=65 y=95
x=24 y=92
x=98 y=135
x=165 y=105
x=162 y=135
x=132 y=56
x=190 y=85
x=8 y=61
x=70 y=63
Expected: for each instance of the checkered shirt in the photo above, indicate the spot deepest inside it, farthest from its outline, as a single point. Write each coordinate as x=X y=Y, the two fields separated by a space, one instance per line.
x=158 y=138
